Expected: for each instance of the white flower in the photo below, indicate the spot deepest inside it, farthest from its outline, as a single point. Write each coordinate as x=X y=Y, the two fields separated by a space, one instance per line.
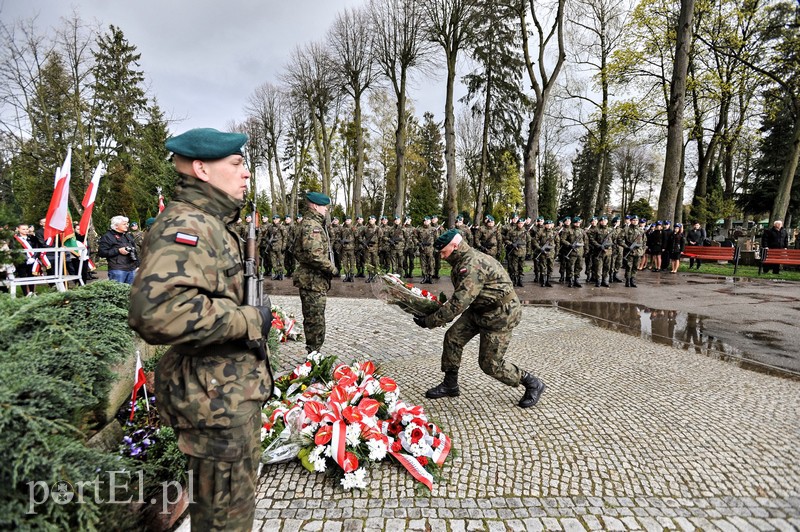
x=329 y=451
x=303 y=369
x=320 y=465
x=309 y=430
x=391 y=401
x=353 y=434
x=316 y=453
x=264 y=433
x=419 y=449
x=377 y=450
x=372 y=387
x=356 y=479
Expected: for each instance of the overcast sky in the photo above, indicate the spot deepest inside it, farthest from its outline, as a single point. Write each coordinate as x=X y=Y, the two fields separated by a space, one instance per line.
x=203 y=58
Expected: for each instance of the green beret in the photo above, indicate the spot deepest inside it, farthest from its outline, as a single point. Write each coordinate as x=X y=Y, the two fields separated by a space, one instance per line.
x=276 y=216
x=372 y=217
x=207 y=144
x=604 y=218
x=489 y=218
x=566 y=219
x=521 y=220
x=348 y=217
x=540 y=218
x=615 y=219
x=396 y=217
x=459 y=218
x=384 y=217
x=134 y=223
x=548 y=221
x=634 y=217
x=317 y=198
x=150 y=221
x=428 y=218
x=445 y=239
x=576 y=219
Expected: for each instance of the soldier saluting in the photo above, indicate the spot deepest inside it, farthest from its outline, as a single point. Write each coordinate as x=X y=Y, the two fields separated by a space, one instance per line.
x=488 y=306
x=189 y=294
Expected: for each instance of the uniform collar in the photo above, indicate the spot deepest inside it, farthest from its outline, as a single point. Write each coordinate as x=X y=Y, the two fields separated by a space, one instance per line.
x=458 y=254
x=208 y=198
x=314 y=215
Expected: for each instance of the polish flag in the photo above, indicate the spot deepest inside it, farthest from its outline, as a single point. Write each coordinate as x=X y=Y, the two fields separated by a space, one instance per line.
x=139 y=382
x=56 y=219
x=88 y=198
x=160 y=203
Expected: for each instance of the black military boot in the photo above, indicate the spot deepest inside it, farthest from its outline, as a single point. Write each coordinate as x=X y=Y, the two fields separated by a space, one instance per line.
x=597 y=283
x=604 y=283
x=576 y=284
x=541 y=281
x=519 y=280
x=561 y=278
x=534 y=388
x=547 y=282
x=633 y=283
x=616 y=279
x=627 y=282
x=280 y=277
x=569 y=282
x=369 y=279
x=448 y=387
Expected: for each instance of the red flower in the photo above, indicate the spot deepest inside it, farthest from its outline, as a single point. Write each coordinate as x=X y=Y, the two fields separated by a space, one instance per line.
x=338 y=395
x=436 y=442
x=352 y=414
x=367 y=367
x=416 y=435
x=313 y=411
x=350 y=462
x=423 y=460
x=394 y=428
x=418 y=421
x=369 y=407
x=323 y=435
x=387 y=384
x=268 y=426
x=397 y=446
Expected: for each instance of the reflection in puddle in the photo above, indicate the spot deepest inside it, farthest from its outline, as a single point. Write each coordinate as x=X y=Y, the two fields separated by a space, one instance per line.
x=683 y=330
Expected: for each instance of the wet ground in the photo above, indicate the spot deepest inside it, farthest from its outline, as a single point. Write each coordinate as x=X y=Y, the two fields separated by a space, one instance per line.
x=751 y=322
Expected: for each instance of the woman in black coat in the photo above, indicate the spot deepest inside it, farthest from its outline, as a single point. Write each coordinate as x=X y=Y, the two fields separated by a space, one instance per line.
x=677 y=244
x=655 y=245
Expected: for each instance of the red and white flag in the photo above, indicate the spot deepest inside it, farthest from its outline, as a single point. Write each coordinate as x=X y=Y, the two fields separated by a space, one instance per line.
x=160 y=203
x=56 y=220
x=139 y=380
x=89 y=197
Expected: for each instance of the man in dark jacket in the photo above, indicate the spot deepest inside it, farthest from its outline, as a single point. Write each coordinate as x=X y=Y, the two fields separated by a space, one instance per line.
x=119 y=248
x=775 y=237
x=696 y=236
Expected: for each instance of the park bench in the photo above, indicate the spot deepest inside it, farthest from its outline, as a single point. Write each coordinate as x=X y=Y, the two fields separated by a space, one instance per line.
x=715 y=253
x=785 y=257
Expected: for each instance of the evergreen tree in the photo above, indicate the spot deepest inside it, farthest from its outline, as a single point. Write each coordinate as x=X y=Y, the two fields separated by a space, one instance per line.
x=152 y=170
x=549 y=185
x=584 y=172
x=119 y=106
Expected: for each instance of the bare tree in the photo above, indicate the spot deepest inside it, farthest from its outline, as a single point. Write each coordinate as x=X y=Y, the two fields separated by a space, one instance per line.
x=266 y=105
x=448 y=27
x=398 y=26
x=542 y=81
x=310 y=75
x=352 y=45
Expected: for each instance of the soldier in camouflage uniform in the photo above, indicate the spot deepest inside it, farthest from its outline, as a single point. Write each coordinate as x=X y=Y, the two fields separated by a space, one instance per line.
x=370 y=240
x=437 y=260
x=517 y=243
x=360 y=256
x=384 y=249
x=632 y=241
x=574 y=241
x=486 y=238
x=589 y=255
x=395 y=240
x=315 y=268
x=484 y=298
x=189 y=294
x=546 y=246
x=463 y=230
x=288 y=245
x=347 y=237
x=275 y=235
x=336 y=241
x=601 y=242
x=138 y=237
x=535 y=230
x=617 y=253
x=410 y=250
x=566 y=225
x=426 y=236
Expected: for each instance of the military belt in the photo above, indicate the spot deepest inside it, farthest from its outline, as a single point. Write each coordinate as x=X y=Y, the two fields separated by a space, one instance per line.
x=506 y=299
x=228 y=348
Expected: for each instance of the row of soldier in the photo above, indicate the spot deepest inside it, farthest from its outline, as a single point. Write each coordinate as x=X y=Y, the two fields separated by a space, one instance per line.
x=601 y=249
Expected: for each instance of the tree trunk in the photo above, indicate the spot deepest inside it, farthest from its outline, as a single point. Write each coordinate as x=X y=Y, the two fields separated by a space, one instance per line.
x=281 y=182
x=530 y=157
x=451 y=201
x=400 y=149
x=358 y=180
x=479 y=197
x=673 y=159
x=781 y=205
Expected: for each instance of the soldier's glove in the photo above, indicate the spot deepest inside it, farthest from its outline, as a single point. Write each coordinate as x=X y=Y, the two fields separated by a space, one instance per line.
x=333 y=272
x=266 y=318
x=420 y=320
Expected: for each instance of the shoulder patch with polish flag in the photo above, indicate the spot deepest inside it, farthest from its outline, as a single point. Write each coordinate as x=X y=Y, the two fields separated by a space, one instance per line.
x=189 y=240
x=462 y=270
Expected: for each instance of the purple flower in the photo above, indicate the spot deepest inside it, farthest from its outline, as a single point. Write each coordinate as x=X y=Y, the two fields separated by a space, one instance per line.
x=127 y=439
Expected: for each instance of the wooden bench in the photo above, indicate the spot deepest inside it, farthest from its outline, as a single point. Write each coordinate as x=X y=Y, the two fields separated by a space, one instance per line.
x=786 y=257
x=715 y=253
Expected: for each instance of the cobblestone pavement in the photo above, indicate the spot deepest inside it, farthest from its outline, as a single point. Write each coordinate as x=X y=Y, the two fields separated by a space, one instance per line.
x=630 y=435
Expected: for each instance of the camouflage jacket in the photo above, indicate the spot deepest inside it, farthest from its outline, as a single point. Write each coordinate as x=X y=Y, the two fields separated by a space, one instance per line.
x=547 y=238
x=632 y=239
x=347 y=237
x=410 y=235
x=369 y=236
x=426 y=236
x=274 y=237
x=481 y=284
x=312 y=251
x=394 y=238
x=189 y=294
x=602 y=240
x=517 y=242
x=575 y=238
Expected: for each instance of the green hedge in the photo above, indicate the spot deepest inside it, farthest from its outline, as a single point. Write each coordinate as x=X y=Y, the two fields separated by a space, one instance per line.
x=56 y=351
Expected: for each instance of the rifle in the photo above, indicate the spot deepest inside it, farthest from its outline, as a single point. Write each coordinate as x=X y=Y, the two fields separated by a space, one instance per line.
x=254 y=288
x=634 y=245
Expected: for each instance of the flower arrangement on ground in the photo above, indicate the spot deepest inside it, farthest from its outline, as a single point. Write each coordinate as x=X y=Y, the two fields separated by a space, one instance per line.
x=341 y=419
x=285 y=325
x=406 y=296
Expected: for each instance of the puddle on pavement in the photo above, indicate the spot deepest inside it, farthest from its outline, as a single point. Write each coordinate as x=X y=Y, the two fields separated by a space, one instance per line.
x=684 y=330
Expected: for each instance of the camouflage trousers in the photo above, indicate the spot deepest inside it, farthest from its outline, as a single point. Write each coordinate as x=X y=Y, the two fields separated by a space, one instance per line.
x=545 y=262
x=602 y=265
x=589 y=263
x=616 y=259
x=360 y=254
x=494 y=328
x=276 y=258
x=396 y=261
x=313 y=303
x=223 y=466
x=426 y=261
x=371 y=259
x=516 y=264
x=437 y=264
x=574 y=263
x=630 y=264
x=409 y=258
x=348 y=261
